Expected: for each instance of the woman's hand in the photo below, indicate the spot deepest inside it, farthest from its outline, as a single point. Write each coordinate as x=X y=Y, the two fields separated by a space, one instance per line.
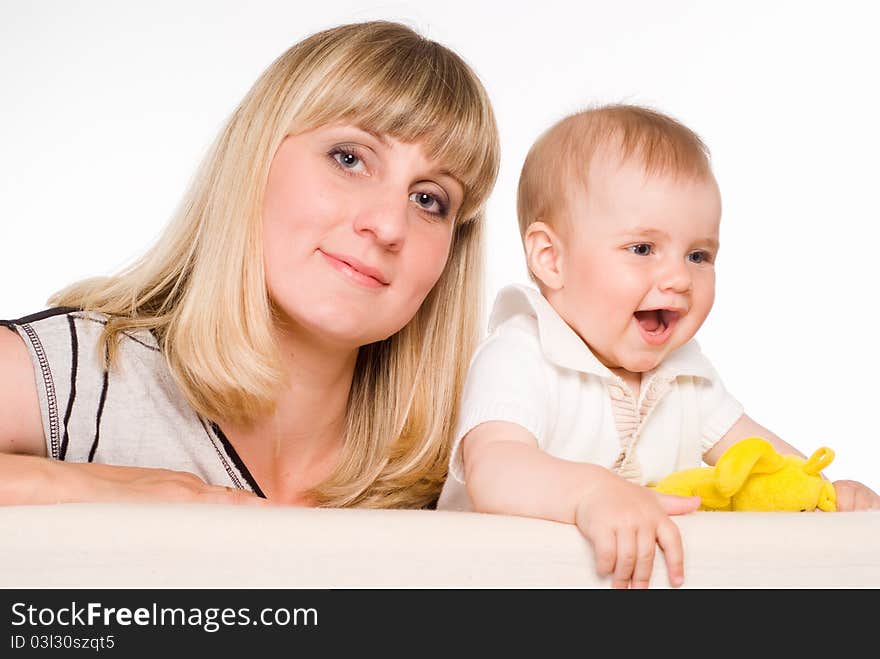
x=852 y=495
x=625 y=522
x=28 y=479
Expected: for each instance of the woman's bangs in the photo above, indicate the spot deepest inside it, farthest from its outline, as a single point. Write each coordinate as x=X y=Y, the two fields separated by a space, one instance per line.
x=440 y=108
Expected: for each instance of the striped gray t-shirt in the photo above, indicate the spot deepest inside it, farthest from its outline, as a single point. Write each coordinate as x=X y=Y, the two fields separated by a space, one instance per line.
x=133 y=415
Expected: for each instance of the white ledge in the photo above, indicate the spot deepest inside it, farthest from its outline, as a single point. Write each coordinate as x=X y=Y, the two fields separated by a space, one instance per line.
x=210 y=546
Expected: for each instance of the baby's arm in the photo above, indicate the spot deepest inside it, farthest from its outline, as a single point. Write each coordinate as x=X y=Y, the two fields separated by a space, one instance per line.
x=507 y=473
x=851 y=495
x=743 y=428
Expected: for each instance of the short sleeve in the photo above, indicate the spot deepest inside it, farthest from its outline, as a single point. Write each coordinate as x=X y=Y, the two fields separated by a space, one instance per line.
x=508 y=380
x=719 y=410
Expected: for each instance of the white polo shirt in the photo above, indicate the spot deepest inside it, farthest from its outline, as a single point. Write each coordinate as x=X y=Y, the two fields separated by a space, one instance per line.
x=535 y=371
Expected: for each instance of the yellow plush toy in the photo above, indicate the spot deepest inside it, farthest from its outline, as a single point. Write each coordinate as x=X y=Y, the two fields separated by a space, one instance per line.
x=752 y=475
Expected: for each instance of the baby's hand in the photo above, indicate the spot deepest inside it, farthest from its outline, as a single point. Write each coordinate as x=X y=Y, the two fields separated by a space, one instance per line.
x=852 y=495
x=624 y=522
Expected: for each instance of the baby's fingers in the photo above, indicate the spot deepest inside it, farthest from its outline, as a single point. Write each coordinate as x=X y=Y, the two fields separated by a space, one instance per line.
x=845 y=496
x=675 y=505
x=865 y=499
x=669 y=539
x=605 y=549
x=626 y=558
x=853 y=496
x=646 y=546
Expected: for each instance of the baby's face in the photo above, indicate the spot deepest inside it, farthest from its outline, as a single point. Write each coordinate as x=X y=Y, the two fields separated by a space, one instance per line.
x=638 y=264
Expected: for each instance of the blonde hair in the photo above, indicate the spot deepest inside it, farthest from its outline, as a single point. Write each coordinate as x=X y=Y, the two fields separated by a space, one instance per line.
x=202 y=291
x=561 y=157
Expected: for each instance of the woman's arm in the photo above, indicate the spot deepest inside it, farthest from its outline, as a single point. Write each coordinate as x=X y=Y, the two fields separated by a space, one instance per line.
x=21 y=429
x=27 y=479
x=27 y=476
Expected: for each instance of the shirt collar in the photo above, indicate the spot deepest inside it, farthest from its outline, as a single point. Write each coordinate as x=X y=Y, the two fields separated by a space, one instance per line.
x=562 y=345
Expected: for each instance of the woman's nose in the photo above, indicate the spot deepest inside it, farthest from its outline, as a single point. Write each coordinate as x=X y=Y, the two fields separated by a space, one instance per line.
x=385 y=219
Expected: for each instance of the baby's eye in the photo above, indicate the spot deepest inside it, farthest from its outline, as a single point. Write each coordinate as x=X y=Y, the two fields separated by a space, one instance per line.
x=700 y=257
x=429 y=203
x=347 y=160
x=642 y=249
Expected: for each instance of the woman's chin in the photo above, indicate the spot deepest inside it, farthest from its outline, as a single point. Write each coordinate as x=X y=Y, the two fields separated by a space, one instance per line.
x=337 y=320
x=342 y=333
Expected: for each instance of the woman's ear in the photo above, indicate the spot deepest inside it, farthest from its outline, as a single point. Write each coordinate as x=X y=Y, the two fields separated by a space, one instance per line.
x=544 y=254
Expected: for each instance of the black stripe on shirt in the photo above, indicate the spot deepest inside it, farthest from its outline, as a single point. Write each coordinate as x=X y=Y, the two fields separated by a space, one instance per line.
x=49 y=386
x=236 y=459
x=128 y=335
x=98 y=419
x=74 y=358
x=40 y=315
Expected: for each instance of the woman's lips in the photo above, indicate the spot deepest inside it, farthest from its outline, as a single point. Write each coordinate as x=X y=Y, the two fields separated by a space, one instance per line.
x=352 y=270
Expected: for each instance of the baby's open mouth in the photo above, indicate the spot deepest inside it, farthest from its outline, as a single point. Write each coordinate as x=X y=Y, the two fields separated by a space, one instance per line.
x=656 y=324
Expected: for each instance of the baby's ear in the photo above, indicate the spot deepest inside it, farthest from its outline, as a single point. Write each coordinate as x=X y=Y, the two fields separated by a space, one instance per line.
x=753 y=455
x=543 y=254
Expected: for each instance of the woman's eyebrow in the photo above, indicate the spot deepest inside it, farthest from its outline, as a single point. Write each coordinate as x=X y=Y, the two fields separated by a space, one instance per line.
x=443 y=172
x=449 y=174
x=383 y=139
x=462 y=188
x=379 y=137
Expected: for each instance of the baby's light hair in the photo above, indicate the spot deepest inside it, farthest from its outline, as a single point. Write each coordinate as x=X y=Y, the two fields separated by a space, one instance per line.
x=562 y=156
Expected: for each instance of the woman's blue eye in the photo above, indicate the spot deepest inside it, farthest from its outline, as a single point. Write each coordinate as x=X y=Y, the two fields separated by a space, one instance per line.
x=346 y=159
x=428 y=202
x=642 y=249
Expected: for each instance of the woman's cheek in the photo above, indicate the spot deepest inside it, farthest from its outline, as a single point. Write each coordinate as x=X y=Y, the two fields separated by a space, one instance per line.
x=418 y=279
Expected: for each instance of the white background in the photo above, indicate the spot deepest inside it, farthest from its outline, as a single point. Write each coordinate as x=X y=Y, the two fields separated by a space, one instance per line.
x=106 y=107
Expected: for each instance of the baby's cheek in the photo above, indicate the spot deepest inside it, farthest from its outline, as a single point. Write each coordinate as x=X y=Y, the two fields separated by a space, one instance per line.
x=613 y=302
x=704 y=298
x=693 y=322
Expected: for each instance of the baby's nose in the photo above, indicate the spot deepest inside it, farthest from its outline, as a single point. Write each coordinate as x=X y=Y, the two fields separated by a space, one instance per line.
x=675 y=278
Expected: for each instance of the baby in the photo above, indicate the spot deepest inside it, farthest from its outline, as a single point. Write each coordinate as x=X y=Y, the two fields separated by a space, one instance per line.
x=592 y=388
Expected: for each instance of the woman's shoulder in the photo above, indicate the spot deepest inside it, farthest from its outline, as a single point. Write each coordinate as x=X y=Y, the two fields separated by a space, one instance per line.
x=48 y=316
x=21 y=432
x=80 y=389
x=43 y=330
x=73 y=326
x=70 y=355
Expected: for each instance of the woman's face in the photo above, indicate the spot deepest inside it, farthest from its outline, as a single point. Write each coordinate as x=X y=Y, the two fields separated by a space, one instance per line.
x=356 y=231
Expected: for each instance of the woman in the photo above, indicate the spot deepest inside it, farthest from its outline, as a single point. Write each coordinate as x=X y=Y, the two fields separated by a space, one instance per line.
x=299 y=333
